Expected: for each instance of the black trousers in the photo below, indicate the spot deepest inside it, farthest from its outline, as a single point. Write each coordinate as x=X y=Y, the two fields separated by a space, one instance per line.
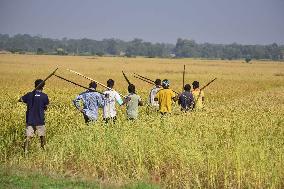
x=87 y=119
x=113 y=119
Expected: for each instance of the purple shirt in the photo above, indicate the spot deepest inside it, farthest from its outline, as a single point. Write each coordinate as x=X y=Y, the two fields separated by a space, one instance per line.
x=186 y=100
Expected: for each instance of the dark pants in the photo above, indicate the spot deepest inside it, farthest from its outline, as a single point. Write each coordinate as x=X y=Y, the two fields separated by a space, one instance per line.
x=164 y=113
x=131 y=119
x=113 y=119
x=87 y=119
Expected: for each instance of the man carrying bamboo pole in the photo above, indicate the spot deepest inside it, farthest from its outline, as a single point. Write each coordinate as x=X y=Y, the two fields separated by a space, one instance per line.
x=186 y=100
x=36 y=102
x=91 y=102
x=198 y=96
x=132 y=102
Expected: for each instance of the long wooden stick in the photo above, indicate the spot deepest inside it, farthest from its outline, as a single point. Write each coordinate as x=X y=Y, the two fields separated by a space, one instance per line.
x=204 y=88
x=208 y=83
x=94 y=81
x=40 y=84
x=49 y=76
x=183 y=77
x=76 y=84
x=125 y=77
x=149 y=81
x=144 y=77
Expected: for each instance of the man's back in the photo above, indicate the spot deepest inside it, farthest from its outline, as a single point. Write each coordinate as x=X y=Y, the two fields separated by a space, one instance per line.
x=132 y=106
x=91 y=102
x=165 y=97
x=109 y=106
x=37 y=102
x=186 y=100
x=198 y=98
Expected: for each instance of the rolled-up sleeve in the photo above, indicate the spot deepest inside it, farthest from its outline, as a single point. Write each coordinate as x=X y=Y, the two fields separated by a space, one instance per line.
x=118 y=98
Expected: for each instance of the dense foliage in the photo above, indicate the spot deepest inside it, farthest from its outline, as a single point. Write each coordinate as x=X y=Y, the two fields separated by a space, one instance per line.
x=137 y=47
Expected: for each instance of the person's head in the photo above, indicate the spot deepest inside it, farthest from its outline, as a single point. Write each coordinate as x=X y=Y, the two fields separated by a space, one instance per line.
x=110 y=83
x=93 y=85
x=39 y=82
x=131 y=88
x=195 y=84
x=165 y=83
x=187 y=87
x=158 y=82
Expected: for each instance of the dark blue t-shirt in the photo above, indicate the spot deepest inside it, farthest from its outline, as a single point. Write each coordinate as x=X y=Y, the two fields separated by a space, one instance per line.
x=36 y=105
x=186 y=100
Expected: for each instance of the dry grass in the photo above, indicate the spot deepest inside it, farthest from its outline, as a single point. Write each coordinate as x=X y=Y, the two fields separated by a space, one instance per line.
x=237 y=142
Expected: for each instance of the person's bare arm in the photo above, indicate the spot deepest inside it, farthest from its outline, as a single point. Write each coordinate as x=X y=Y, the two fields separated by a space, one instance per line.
x=175 y=98
x=125 y=100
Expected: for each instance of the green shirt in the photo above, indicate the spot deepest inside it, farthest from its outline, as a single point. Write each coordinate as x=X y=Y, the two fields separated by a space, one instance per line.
x=132 y=106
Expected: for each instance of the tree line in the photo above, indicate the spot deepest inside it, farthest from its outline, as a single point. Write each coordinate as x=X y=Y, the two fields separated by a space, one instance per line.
x=22 y=43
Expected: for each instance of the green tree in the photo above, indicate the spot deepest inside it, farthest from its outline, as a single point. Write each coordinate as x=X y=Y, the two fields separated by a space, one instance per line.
x=39 y=51
x=186 y=48
x=60 y=51
x=248 y=59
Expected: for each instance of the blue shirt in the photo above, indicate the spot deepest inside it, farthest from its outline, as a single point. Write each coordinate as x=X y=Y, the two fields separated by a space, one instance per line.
x=91 y=102
x=36 y=105
x=186 y=100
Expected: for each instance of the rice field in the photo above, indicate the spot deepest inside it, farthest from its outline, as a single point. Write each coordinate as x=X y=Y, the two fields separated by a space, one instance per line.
x=237 y=141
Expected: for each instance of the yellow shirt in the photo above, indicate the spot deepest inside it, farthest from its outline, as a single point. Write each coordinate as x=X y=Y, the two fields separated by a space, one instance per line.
x=165 y=97
x=197 y=96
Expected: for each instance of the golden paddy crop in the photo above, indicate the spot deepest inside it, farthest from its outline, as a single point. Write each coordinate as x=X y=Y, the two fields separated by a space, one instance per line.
x=236 y=142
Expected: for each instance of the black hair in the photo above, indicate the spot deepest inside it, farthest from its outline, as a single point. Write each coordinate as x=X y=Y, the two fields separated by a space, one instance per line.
x=93 y=85
x=110 y=83
x=39 y=84
x=187 y=87
x=195 y=84
x=158 y=82
x=131 y=88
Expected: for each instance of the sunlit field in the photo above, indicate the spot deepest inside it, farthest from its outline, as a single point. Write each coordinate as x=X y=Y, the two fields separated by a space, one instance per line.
x=237 y=141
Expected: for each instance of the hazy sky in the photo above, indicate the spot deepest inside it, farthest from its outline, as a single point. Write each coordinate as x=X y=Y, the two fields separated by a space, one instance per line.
x=214 y=21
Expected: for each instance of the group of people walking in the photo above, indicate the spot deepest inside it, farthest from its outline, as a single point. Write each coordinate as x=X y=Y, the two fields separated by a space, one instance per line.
x=89 y=102
x=160 y=97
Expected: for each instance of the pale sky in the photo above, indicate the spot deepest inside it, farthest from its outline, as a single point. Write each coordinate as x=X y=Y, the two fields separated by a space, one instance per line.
x=213 y=21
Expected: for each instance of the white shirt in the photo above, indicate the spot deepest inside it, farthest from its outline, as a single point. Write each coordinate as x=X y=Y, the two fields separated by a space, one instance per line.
x=109 y=107
x=152 y=95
